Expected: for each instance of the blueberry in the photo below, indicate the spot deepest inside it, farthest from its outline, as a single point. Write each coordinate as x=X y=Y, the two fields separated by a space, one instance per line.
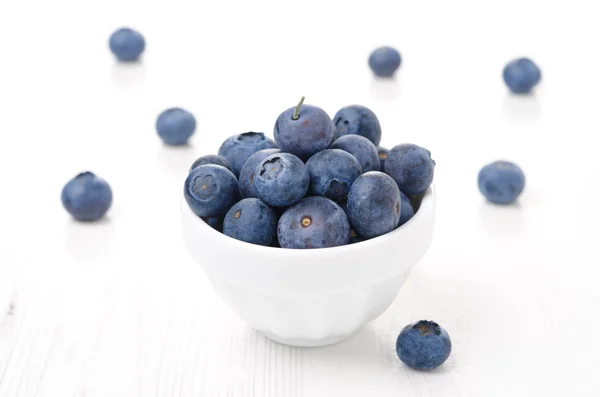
x=304 y=130
x=315 y=222
x=238 y=148
x=361 y=148
x=411 y=167
x=374 y=204
x=252 y=221
x=210 y=190
x=355 y=237
x=87 y=197
x=216 y=222
x=281 y=180
x=175 y=126
x=501 y=182
x=384 y=61
x=127 y=44
x=406 y=209
x=211 y=159
x=332 y=172
x=521 y=75
x=246 y=179
x=357 y=120
x=382 y=152
x=423 y=345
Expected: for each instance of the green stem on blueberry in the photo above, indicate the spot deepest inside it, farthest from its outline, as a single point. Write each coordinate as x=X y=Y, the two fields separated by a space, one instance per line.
x=295 y=115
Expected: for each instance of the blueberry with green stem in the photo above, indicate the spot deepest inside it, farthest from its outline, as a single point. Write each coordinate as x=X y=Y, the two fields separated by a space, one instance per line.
x=304 y=130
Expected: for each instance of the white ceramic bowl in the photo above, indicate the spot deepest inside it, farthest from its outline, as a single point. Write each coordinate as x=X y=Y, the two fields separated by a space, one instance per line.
x=312 y=297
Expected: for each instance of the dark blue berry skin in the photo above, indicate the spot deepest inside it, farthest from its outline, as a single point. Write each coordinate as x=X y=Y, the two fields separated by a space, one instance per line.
x=216 y=223
x=382 y=152
x=246 y=179
x=252 y=221
x=210 y=190
x=312 y=132
x=237 y=149
x=521 y=75
x=501 y=182
x=332 y=172
x=175 y=126
x=423 y=345
x=357 y=120
x=411 y=167
x=87 y=197
x=374 y=204
x=361 y=148
x=355 y=237
x=315 y=222
x=127 y=44
x=384 y=61
x=406 y=209
x=281 y=180
x=211 y=159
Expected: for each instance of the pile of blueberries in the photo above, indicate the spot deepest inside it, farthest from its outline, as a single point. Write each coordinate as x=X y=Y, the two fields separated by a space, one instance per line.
x=320 y=183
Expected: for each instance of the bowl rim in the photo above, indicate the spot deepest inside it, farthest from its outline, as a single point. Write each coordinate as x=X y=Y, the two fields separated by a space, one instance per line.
x=426 y=206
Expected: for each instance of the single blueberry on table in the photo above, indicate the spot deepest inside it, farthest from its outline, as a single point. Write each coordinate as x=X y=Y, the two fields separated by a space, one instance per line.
x=211 y=159
x=281 y=180
x=175 y=126
x=87 y=197
x=423 y=345
x=411 y=167
x=252 y=221
x=374 y=204
x=246 y=179
x=361 y=148
x=332 y=172
x=501 y=182
x=406 y=209
x=216 y=222
x=315 y=222
x=210 y=190
x=521 y=75
x=384 y=61
x=237 y=149
x=382 y=152
x=357 y=120
x=304 y=130
x=127 y=44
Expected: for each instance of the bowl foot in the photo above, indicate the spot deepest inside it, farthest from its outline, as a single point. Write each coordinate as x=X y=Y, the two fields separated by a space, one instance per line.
x=299 y=342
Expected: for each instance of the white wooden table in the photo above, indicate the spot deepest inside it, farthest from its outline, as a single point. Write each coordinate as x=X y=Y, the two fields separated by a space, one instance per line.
x=119 y=309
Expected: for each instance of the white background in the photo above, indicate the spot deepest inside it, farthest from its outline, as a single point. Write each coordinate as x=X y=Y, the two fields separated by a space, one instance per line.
x=119 y=309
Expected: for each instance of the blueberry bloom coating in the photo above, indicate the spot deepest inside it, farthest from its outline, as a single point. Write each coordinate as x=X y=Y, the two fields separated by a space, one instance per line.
x=210 y=190
x=312 y=132
x=87 y=197
x=382 y=152
x=374 y=204
x=281 y=180
x=237 y=149
x=384 y=61
x=521 y=75
x=127 y=44
x=501 y=182
x=361 y=148
x=211 y=159
x=357 y=120
x=252 y=221
x=315 y=222
x=175 y=126
x=411 y=167
x=406 y=209
x=246 y=179
x=332 y=172
x=423 y=345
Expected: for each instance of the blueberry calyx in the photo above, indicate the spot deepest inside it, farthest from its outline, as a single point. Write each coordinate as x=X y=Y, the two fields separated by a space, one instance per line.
x=427 y=328
x=295 y=116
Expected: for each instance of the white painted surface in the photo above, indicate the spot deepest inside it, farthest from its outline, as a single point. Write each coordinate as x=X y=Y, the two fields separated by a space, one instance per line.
x=119 y=309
